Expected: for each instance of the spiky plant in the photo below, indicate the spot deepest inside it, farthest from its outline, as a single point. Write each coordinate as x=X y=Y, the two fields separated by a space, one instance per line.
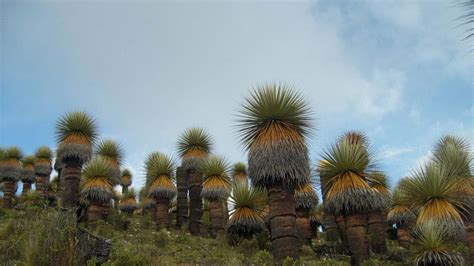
x=239 y=172
x=126 y=180
x=76 y=133
x=347 y=192
x=273 y=125
x=113 y=153
x=128 y=202
x=316 y=219
x=160 y=182
x=146 y=203
x=27 y=173
x=468 y=18
x=355 y=137
x=10 y=172
x=43 y=169
x=97 y=188
x=431 y=246
x=216 y=189
x=433 y=196
x=329 y=226
x=306 y=198
x=399 y=214
x=248 y=203
x=194 y=145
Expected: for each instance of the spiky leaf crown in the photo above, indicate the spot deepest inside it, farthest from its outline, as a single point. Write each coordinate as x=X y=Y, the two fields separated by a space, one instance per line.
x=44 y=152
x=379 y=181
x=126 y=172
x=10 y=167
x=97 y=180
x=215 y=166
x=28 y=169
x=239 y=168
x=76 y=123
x=355 y=137
x=217 y=184
x=111 y=150
x=158 y=164
x=305 y=196
x=432 y=246
x=13 y=153
x=194 y=140
x=273 y=106
x=28 y=160
x=454 y=154
x=248 y=204
x=316 y=215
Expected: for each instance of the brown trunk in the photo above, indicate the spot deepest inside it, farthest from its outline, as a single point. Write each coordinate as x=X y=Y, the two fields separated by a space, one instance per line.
x=314 y=232
x=71 y=174
x=341 y=230
x=303 y=226
x=403 y=236
x=282 y=217
x=182 y=210
x=8 y=192
x=162 y=214
x=41 y=185
x=124 y=189
x=195 y=201
x=330 y=228
x=357 y=240
x=26 y=188
x=216 y=216
x=376 y=228
x=225 y=213
x=470 y=239
x=96 y=211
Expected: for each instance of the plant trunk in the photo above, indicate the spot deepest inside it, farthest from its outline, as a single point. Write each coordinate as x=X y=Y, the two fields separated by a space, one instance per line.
x=303 y=226
x=71 y=175
x=216 y=215
x=195 y=201
x=225 y=214
x=357 y=240
x=26 y=188
x=376 y=227
x=182 y=210
x=314 y=232
x=470 y=239
x=162 y=214
x=124 y=189
x=403 y=236
x=95 y=211
x=341 y=230
x=282 y=217
x=330 y=228
x=8 y=192
x=41 y=185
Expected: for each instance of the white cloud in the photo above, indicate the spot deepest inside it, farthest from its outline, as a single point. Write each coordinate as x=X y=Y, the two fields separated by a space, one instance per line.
x=391 y=152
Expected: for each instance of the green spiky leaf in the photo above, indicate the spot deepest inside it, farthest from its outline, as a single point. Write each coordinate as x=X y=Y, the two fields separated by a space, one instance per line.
x=77 y=123
x=239 y=167
x=194 y=139
x=44 y=152
x=28 y=160
x=111 y=150
x=13 y=153
x=158 y=164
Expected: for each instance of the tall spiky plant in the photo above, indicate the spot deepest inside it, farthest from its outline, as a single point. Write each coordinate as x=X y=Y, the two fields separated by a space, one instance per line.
x=113 y=153
x=377 y=218
x=432 y=246
x=128 y=202
x=273 y=125
x=125 y=180
x=329 y=225
x=401 y=216
x=306 y=199
x=216 y=189
x=43 y=169
x=28 y=176
x=347 y=192
x=194 y=145
x=433 y=196
x=97 y=188
x=10 y=172
x=246 y=214
x=161 y=187
x=239 y=172
x=316 y=219
x=76 y=133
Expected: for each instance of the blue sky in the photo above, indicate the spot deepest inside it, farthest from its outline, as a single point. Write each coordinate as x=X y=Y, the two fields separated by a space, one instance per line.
x=146 y=70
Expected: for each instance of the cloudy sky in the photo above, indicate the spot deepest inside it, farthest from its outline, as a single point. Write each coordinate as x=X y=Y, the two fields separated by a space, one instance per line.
x=146 y=70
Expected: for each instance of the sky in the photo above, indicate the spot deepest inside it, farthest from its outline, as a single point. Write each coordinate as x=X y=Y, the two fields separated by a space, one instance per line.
x=146 y=70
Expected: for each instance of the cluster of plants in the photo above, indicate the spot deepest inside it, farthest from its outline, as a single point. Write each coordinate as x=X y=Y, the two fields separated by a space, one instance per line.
x=202 y=209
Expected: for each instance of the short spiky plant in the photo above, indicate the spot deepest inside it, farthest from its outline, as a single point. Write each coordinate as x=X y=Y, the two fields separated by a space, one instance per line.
x=217 y=184
x=28 y=169
x=432 y=196
x=344 y=177
x=159 y=176
x=316 y=215
x=193 y=146
x=379 y=181
x=126 y=178
x=128 y=202
x=113 y=153
x=239 y=172
x=399 y=212
x=97 y=181
x=248 y=204
x=432 y=246
x=145 y=201
x=305 y=196
x=76 y=132
x=10 y=167
x=43 y=161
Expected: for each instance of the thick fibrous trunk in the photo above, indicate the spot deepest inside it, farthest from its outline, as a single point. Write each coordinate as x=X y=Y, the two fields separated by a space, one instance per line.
x=96 y=211
x=41 y=185
x=216 y=216
x=162 y=214
x=8 y=191
x=470 y=239
x=195 y=201
x=357 y=240
x=376 y=228
x=182 y=211
x=303 y=225
x=282 y=217
x=71 y=175
x=26 y=188
x=341 y=230
x=403 y=236
x=124 y=189
x=330 y=228
x=225 y=213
